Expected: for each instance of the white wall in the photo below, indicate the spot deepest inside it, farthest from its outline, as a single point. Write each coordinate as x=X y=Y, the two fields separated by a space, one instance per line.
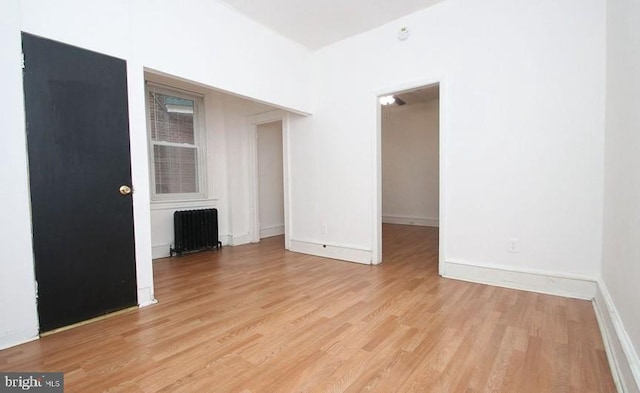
x=270 y=179
x=410 y=164
x=17 y=292
x=203 y=41
x=621 y=247
x=522 y=99
x=213 y=45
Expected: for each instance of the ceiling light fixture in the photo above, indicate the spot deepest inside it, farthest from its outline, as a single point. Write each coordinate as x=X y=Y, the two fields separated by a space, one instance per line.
x=387 y=100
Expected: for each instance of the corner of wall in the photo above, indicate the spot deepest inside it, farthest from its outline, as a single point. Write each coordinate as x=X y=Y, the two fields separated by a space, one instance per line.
x=623 y=359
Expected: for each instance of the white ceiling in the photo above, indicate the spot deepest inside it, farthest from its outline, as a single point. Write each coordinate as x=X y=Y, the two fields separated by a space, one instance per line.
x=317 y=23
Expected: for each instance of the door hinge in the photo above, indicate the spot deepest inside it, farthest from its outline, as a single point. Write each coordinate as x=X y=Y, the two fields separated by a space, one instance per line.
x=23 y=66
x=36 y=285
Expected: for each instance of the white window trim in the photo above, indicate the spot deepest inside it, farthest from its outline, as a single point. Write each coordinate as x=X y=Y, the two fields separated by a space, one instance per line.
x=199 y=130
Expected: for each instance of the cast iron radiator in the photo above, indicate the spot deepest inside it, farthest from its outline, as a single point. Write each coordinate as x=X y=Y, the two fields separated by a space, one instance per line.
x=195 y=230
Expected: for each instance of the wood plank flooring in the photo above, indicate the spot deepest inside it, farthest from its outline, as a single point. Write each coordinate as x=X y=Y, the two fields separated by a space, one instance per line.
x=256 y=318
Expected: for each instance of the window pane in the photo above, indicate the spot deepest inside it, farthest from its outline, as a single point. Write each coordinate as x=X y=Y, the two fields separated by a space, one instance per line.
x=171 y=118
x=176 y=169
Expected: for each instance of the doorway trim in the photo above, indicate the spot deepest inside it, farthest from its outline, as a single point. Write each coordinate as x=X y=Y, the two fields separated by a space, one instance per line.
x=377 y=163
x=254 y=216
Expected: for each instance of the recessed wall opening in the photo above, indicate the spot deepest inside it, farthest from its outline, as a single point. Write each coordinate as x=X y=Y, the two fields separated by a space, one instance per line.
x=203 y=152
x=410 y=172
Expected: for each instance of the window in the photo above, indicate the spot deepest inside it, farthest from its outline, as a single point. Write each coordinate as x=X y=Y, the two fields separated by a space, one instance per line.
x=176 y=137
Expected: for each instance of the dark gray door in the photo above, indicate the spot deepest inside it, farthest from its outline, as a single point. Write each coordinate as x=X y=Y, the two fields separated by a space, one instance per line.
x=78 y=144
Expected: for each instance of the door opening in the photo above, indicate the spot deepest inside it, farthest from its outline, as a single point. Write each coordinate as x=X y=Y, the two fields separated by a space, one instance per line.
x=270 y=180
x=270 y=174
x=409 y=169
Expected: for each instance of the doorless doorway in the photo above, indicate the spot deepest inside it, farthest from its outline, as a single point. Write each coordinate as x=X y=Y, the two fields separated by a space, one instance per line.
x=409 y=151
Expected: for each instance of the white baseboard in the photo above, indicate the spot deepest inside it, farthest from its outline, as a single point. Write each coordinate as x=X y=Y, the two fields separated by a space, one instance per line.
x=145 y=297
x=160 y=251
x=333 y=251
x=551 y=283
x=237 y=240
x=271 y=231
x=623 y=359
x=12 y=339
x=419 y=221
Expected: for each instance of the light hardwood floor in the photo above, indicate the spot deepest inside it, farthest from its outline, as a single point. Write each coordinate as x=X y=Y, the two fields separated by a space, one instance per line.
x=255 y=318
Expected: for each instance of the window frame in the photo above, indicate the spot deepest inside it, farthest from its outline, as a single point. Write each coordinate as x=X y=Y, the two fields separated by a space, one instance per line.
x=199 y=138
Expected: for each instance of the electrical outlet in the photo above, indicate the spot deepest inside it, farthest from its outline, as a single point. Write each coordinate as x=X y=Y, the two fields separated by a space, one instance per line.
x=514 y=246
x=323 y=229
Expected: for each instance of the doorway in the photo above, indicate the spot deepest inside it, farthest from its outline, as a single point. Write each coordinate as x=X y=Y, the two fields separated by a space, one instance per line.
x=80 y=182
x=273 y=128
x=409 y=165
x=270 y=180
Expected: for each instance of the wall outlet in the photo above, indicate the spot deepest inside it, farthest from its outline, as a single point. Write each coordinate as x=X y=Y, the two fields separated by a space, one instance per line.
x=323 y=229
x=514 y=246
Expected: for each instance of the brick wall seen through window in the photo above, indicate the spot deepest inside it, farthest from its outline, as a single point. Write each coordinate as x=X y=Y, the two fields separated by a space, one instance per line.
x=172 y=126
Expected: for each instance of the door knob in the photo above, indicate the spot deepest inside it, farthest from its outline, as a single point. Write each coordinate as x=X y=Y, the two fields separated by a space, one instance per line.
x=125 y=190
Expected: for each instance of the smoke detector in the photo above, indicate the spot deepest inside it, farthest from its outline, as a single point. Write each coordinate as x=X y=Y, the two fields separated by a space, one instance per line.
x=403 y=33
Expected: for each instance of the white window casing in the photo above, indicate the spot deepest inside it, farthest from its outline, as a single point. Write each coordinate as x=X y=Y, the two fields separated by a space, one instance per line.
x=176 y=135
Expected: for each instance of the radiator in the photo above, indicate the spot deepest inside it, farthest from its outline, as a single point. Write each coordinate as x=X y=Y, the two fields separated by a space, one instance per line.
x=195 y=230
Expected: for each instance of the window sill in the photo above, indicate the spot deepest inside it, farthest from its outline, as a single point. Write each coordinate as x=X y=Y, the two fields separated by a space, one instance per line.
x=184 y=204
